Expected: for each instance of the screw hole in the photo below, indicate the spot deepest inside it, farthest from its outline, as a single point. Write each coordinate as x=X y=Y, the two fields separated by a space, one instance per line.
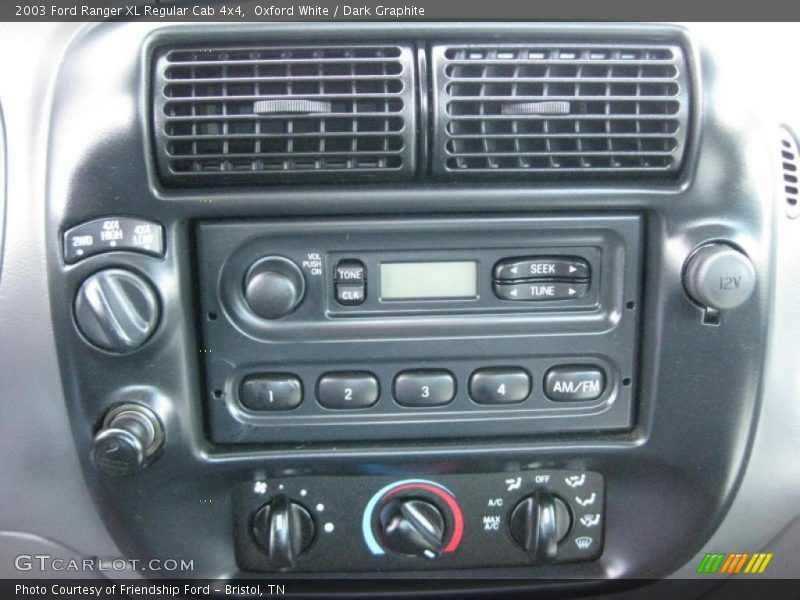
x=630 y=305
x=218 y=394
x=212 y=316
x=626 y=382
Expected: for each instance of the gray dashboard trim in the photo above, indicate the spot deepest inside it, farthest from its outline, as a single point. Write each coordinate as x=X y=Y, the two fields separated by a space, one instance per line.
x=33 y=406
x=2 y=186
x=44 y=492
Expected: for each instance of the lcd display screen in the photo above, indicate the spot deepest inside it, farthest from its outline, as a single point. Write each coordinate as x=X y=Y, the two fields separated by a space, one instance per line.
x=429 y=280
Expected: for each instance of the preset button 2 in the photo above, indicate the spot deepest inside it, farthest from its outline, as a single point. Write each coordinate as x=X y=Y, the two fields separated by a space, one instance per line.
x=353 y=389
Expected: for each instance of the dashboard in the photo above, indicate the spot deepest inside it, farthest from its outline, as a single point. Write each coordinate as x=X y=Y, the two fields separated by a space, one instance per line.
x=498 y=300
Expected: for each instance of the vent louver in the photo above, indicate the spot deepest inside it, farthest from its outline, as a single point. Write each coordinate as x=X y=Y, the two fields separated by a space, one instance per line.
x=543 y=110
x=254 y=114
x=790 y=165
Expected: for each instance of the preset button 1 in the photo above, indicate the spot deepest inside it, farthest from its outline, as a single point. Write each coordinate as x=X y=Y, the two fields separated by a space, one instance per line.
x=271 y=391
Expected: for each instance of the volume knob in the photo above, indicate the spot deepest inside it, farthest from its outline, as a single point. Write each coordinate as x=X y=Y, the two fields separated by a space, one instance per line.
x=273 y=287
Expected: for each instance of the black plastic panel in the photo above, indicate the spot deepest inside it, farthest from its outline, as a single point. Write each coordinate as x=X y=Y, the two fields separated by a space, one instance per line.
x=338 y=111
x=476 y=509
x=386 y=337
x=669 y=480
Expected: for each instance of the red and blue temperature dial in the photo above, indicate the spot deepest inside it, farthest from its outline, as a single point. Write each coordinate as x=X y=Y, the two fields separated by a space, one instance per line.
x=414 y=517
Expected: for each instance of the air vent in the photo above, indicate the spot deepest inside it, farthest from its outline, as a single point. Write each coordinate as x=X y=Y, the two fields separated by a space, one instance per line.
x=790 y=162
x=545 y=110
x=253 y=114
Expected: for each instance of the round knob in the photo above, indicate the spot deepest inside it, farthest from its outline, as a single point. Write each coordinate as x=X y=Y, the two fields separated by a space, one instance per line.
x=116 y=310
x=718 y=276
x=285 y=529
x=413 y=527
x=274 y=287
x=538 y=523
x=130 y=436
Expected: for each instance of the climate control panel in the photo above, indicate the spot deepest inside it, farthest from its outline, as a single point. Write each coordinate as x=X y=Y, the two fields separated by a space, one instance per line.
x=408 y=523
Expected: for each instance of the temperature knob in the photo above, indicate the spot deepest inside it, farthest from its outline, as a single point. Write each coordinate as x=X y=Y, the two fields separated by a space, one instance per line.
x=273 y=287
x=413 y=527
x=285 y=529
x=413 y=517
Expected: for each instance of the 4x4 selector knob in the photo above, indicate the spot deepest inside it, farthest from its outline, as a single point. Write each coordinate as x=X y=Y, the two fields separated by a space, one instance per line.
x=116 y=310
x=413 y=527
x=273 y=287
x=285 y=529
x=538 y=523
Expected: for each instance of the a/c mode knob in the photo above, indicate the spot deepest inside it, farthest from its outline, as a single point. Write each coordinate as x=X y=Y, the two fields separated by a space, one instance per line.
x=273 y=287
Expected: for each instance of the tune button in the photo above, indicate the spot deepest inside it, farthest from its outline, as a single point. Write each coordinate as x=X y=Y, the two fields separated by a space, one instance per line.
x=500 y=385
x=541 y=290
x=348 y=390
x=424 y=387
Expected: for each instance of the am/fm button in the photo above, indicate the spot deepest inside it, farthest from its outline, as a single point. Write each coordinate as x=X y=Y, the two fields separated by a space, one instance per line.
x=574 y=383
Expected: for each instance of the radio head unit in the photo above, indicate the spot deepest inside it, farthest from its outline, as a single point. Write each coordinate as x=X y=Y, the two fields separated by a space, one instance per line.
x=343 y=329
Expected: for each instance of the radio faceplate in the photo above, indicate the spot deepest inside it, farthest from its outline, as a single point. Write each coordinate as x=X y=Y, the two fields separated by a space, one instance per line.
x=320 y=365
